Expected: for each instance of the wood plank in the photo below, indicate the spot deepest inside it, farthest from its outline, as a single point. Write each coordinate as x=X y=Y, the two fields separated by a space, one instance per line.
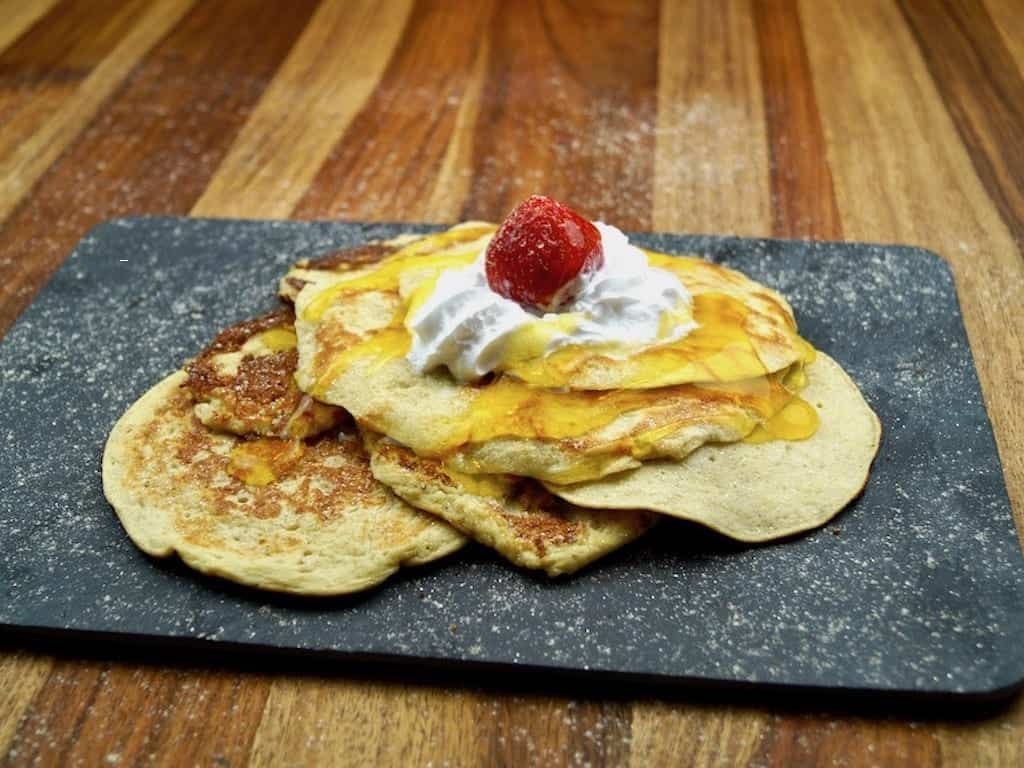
x=569 y=110
x=356 y=723
x=711 y=160
x=47 y=65
x=987 y=741
x=344 y=722
x=70 y=42
x=803 y=201
x=92 y=713
x=156 y=144
x=322 y=85
x=982 y=738
x=19 y=16
x=553 y=730
x=22 y=168
x=21 y=677
x=823 y=740
x=693 y=735
x=1010 y=21
x=983 y=91
x=387 y=164
x=901 y=174
x=455 y=176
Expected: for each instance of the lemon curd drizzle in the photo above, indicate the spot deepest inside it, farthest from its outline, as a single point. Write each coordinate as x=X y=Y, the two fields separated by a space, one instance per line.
x=718 y=350
x=533 y=402
x=430 y=255
x=278 y=339
x=506 y=407
x=796 y=420
x=264 y=460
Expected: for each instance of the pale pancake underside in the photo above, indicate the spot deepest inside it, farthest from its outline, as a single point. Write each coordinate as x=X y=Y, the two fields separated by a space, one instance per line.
x=327 y=527
x=514 y=516
x=765 y=491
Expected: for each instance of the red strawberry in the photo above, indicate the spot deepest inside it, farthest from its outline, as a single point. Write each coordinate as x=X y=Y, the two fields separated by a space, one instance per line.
x=540 y=249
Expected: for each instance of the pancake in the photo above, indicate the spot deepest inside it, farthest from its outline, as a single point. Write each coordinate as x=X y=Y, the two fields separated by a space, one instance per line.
x=282 y=515
x=757 y=492
x=506 y=427
x=514 y=516
x=352 y=345
x=244 y=382
x=745 y=329
x=327 y=266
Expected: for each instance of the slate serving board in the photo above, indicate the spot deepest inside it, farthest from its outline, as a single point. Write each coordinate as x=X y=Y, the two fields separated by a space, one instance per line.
x=917 y=588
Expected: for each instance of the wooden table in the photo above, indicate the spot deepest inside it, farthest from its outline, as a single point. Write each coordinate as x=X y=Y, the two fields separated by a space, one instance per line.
x=868 y=120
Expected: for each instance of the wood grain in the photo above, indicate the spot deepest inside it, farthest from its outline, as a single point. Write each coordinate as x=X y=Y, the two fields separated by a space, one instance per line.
x=154 y=147
x=698 y=736
x=803 y=200
x=816 y=740
x=19 y=16
x=23 y=166
x=332 y=70
x=711 y=170
x=454 y=177
x=559 y=116
x=46 y=67
x=983 y=91
x=21 y=678
x=383 y=167
x=881 y=120
x=1010 y=21
x=137 y=715
x=361 y=723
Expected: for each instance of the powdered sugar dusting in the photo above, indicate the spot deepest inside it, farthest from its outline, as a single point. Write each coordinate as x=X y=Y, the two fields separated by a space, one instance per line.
x=917 y=586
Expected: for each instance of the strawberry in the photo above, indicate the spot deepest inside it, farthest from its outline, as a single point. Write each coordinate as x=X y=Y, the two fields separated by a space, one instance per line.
x=539 y=250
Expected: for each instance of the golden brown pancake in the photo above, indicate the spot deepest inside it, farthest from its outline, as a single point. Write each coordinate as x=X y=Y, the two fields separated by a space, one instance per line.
x=745 y=329
x=238 y=467
x=516 y=517
x=763 y=491
x=352 y=345
x=285 y=515
x=326 y=266
x=244 y=382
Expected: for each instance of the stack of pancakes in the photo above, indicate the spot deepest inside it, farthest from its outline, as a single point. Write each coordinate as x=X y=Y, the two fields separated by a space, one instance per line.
x=301 y=452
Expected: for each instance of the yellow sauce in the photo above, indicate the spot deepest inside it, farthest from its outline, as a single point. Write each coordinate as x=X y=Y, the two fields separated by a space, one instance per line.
x=506 y=407
x=797 y=420
x=384 y=345
x=265 y=460
x=719 y=349
x=490 y=486
x=278 y=339
x=448 y=250
x=533 y=403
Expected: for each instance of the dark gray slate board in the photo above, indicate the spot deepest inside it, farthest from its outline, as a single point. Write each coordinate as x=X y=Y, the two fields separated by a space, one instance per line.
x=918 y=587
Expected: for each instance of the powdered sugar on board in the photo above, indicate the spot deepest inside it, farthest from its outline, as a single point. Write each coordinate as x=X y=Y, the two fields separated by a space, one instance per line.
x=916 y=587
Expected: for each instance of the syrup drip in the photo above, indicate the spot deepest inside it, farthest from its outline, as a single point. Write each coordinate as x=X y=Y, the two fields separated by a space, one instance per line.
x=530 y=400
x=265 y=460
x=278 y=339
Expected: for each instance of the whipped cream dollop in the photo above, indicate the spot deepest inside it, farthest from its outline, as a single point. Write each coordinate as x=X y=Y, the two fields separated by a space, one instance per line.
x=469 y=328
